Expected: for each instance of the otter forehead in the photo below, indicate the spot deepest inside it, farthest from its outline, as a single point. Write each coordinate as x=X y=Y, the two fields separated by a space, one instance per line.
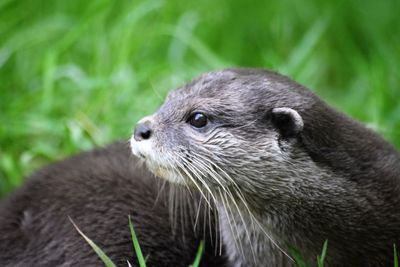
x=237 y=91
x=225 y=84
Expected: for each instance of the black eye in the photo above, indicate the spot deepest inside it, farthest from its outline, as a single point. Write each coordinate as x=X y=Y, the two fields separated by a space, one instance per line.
x=198 y=120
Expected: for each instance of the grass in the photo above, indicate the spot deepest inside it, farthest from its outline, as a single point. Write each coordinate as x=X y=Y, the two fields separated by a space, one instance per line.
x=136 y=245
x=321 y=258
x=199 y=254
x=141 y=260
x=296 y=254
x=77 y=74
x=104 y=258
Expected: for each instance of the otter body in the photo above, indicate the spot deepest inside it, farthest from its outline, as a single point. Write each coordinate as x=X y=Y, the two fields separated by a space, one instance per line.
x=284 y=169
x=98 y=190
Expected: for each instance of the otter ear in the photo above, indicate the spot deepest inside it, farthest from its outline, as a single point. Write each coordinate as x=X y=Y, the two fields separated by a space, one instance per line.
x=288 y=121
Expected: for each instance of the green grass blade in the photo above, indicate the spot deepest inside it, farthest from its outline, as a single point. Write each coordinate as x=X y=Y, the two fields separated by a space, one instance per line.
x=200 y=251
x=395 y=260
x=106 y=260
x=321 y=259
x=139 y=254
x=297 y=257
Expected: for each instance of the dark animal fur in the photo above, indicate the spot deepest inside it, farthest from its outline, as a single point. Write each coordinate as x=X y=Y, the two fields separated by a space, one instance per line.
x=97 y=190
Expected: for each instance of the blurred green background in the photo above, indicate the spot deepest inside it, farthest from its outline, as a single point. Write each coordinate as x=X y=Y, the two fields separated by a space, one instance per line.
x=76 y=74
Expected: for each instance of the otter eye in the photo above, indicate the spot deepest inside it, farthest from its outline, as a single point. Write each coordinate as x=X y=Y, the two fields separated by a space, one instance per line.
x=198 y=120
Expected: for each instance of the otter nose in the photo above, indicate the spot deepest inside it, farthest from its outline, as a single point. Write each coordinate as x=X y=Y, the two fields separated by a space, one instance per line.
x=142 y=132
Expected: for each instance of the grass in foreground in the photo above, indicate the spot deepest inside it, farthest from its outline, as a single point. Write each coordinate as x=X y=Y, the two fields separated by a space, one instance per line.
x=139 y=254
x=105 y=259
x=142 y=261
x=296 y=254
x=321 y=258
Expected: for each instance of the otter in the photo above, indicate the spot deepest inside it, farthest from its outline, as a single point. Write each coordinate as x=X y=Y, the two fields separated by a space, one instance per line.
x=284 y=169
x=98 y=190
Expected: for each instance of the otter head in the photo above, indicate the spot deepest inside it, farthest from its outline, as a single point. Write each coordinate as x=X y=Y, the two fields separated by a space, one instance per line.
x=230 y=130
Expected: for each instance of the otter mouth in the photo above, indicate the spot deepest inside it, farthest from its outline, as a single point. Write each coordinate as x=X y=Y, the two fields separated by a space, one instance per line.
x=156 y=162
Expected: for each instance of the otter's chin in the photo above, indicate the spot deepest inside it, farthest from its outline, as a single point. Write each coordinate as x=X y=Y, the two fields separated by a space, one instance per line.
x=165 y=173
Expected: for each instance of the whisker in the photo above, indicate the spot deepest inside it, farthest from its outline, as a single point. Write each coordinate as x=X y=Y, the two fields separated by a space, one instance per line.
x=195 y=171
x=161 y=187
x=244 y=224
x=197 y=214
x=171 y=204
x=241 y=196
x=210 y=172
x=199 y=168
x=182 y=167
x=235 y=238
